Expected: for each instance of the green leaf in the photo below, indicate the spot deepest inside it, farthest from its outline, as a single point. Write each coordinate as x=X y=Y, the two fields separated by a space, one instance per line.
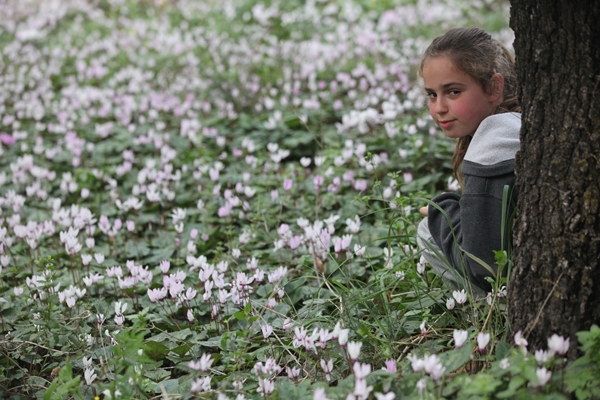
x=481 y=385
x=157 y=375
x=515 y=383
x=155 y=350
x=286 y=389
x=170 y=386
x=240 y=315
x=455 y=359
x=502 y=349
x=181 y=350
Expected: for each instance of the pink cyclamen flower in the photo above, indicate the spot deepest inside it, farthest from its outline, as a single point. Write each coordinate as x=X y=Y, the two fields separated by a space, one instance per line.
x=7 y=139
x=318 y=182
x=295 y=242
x=130 y=225
x=287 y=184
x=390 y=366
x=293 y=372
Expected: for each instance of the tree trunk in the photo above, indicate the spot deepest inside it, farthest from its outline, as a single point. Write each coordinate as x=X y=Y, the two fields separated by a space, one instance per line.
x=555 y=283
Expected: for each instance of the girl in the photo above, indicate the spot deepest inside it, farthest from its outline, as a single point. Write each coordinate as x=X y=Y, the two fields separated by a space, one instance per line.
x=471 y=83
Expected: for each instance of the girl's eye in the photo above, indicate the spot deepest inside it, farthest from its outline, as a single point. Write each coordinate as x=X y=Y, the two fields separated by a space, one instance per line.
x=453 y=92
x=431 y=95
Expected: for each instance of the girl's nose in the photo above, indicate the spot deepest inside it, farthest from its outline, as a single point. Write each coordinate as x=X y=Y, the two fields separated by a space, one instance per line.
x=440 y=106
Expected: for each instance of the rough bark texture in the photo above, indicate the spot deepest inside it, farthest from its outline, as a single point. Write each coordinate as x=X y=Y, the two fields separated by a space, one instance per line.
x=555 y=284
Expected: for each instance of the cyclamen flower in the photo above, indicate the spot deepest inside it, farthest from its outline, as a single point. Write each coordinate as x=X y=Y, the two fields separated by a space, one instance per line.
x=89 y=376
x=558 y=344
x=252 y=264
x=388 y=257
x=353 y=224
x=327 y=368
x=361 y=390
x=542 y=356
x=543 y=376
x=421 y=385
x=460 y=297
x=361 y=370
x=165 y=265
x=343 y=337
x=87 y=362
x=504 y=363
x=259 y=276
x=130 y=225
x=201 y=384
x=359 y=250
x=460 y=337
x=86 y=259
x=354 y=350
x=265 y=386
x=277 y=275
x=385 y=396
x=157 y=294
x=292 y=373
x=92 y=278
x=433 y=367
x=320 y=394
x=203 y=364
x=423 y=328
x=295 y=242
x=267 y=330
x=520 y=341
x=482 y=340
x=390 y=366
x=450 y=304
x=416 y=363
x=421 y=266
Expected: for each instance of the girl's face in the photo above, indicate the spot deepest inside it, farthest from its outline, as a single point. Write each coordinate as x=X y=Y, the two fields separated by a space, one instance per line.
x=457 y=102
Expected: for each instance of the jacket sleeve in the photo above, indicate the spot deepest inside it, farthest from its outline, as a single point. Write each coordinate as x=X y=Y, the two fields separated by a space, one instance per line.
x=473 y=223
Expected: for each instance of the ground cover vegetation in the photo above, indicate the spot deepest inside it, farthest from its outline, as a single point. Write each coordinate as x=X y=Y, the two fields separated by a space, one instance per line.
x=219 y=200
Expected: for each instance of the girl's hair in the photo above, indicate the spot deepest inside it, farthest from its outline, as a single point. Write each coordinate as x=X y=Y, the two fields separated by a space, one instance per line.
x=475 y=52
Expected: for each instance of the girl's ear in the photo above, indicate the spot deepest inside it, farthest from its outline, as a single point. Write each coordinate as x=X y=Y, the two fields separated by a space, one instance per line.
x=497 y=87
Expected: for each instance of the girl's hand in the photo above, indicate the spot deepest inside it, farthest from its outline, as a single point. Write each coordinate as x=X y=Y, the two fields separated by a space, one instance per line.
x=424 y=210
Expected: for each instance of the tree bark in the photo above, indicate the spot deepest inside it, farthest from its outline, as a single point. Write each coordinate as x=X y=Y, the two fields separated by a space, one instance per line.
x=555 y=283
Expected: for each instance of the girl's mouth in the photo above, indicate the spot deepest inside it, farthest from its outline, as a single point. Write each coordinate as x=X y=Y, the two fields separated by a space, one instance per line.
x=446 y=124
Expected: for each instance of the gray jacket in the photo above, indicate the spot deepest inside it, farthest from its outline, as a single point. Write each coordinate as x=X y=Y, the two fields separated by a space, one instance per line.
x=474 y=219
